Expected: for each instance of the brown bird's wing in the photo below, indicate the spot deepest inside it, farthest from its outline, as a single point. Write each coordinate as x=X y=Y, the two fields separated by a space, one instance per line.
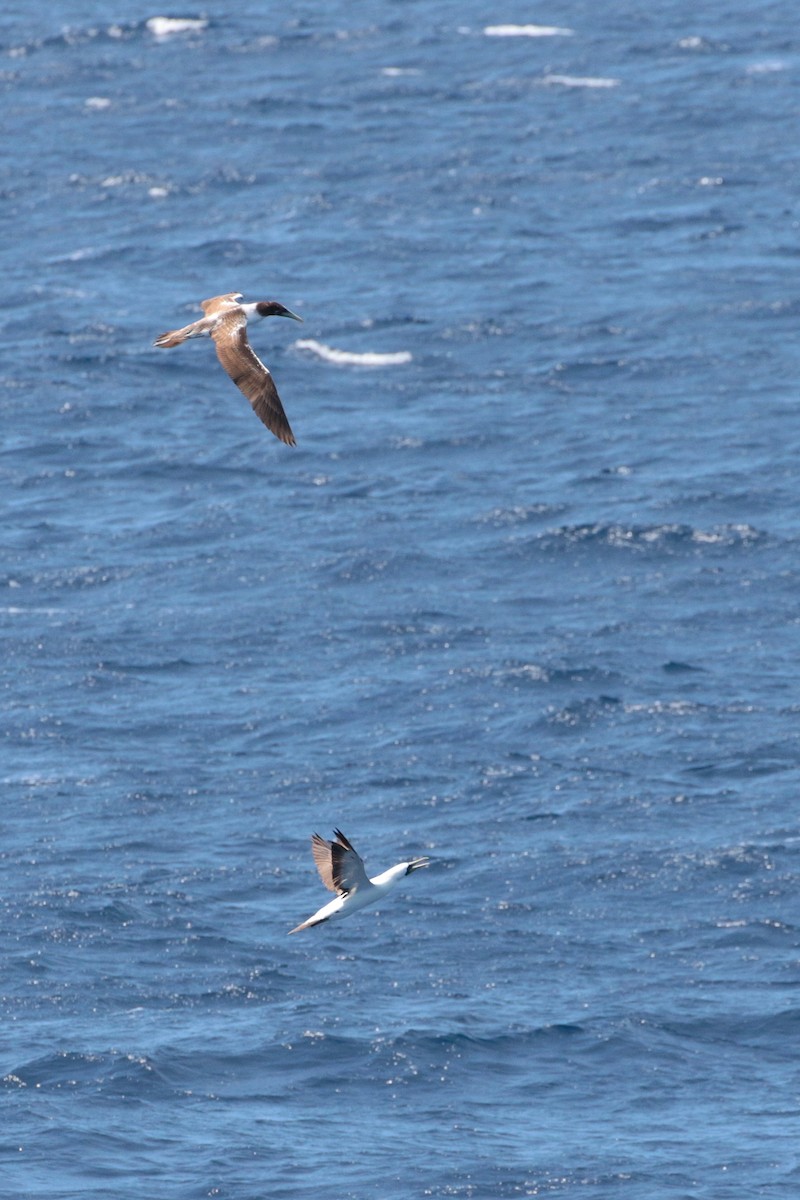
x=339 y=865
x=249 y=373
x=218 y=302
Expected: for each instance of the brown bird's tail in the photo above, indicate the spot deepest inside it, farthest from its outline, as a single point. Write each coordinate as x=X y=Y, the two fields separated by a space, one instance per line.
x=173 y=337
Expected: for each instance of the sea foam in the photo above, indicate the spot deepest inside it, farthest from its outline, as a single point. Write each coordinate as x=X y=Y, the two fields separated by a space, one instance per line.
x=527 y=31
x=351 y=358
x=162 y=27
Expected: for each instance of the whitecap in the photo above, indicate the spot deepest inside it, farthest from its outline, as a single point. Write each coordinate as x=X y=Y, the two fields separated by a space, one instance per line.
x=581 y=81
x=350 y=358
x=13 y=610
x=527 y=31
x=163 y=27
x=767 y=67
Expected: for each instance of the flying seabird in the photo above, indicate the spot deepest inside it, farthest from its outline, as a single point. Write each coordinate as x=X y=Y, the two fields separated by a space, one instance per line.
x=342 y=871
x=226 y=322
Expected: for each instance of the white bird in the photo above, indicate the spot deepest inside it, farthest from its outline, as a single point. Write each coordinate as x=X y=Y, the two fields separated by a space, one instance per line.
x=342 y=871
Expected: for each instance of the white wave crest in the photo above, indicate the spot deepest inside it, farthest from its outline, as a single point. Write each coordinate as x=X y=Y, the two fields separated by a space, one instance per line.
x=162 y=27
x=527 y=31
x=582 y=81
x=350 y=358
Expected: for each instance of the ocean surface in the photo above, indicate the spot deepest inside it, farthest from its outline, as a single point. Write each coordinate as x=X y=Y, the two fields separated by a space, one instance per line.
x=525 y=598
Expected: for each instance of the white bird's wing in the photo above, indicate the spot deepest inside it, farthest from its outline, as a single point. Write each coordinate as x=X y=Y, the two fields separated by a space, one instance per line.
x=339 y=865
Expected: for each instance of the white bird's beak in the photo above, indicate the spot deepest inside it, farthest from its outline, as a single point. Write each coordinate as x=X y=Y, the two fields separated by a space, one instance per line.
x=417 y=862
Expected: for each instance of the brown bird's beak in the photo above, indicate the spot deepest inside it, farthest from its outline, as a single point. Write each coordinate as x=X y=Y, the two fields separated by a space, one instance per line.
x=287 y=312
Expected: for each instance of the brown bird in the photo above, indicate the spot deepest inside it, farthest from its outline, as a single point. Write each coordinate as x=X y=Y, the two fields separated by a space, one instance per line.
x=225 y=321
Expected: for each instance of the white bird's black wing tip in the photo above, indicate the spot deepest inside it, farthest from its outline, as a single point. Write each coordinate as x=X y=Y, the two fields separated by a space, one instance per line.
x=337 y=833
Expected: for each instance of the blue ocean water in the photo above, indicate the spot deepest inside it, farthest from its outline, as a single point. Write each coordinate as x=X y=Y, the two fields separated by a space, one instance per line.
x=523 y=598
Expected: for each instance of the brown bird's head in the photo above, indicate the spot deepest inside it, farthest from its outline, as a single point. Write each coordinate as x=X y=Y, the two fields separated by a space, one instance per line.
x=271 y=308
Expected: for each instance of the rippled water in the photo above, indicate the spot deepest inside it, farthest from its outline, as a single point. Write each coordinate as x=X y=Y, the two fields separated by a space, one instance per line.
x=523 y=598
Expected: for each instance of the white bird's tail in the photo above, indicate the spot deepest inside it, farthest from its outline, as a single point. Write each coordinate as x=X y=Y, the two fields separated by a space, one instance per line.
x=307 y=924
